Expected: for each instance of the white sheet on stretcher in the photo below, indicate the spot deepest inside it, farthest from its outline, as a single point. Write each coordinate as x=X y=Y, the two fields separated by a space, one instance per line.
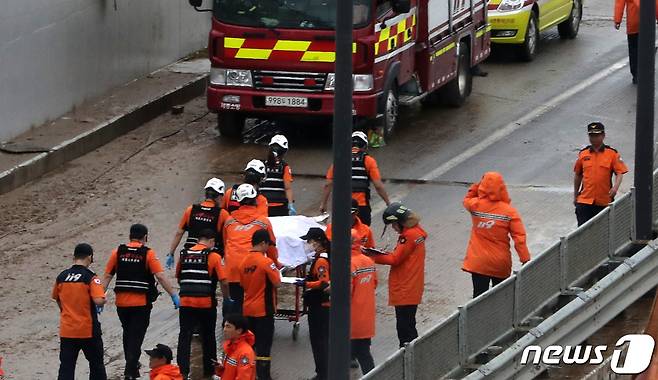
x=292 y=250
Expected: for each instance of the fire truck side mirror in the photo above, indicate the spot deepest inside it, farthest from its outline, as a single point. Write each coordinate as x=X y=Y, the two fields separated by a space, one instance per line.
x=196 y=3
x=401 y=6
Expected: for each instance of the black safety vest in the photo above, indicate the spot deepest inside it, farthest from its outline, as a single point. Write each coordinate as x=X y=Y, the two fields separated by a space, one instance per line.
x=132 y=272
x=202 y=217
x=315 y=296
x=194 y=278
x=273 y=187
x=360 y=178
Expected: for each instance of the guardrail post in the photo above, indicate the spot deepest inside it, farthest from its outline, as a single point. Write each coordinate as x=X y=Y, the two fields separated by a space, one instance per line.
x=409 y=367
x=633 y=222
x=611 y=229
x=517 y=299
x=463 y=356
x=564 y=286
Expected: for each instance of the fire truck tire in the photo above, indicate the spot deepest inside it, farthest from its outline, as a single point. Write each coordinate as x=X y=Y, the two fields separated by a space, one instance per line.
x=528 y=50
x=230 y=124
x=391 y=109
x=568 y=28
x=454 y=93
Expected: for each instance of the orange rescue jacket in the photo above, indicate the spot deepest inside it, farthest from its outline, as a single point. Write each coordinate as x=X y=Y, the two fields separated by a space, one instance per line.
x=364 y=284
x=494 y=220
x=239 y=359
x=632 y=14
x=238 y=230
x=406 y=280
x=166 y=372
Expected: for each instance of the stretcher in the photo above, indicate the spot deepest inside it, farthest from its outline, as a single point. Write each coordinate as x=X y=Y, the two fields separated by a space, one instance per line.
x=294 y=255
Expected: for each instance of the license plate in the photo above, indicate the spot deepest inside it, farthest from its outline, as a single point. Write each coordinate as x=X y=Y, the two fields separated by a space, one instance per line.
x=286 y=101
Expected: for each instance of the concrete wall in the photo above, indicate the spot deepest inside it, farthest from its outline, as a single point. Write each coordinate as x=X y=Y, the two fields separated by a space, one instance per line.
x=55 y=54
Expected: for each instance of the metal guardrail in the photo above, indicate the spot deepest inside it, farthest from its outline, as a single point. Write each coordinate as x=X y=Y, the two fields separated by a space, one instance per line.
x=500 y=312
x=580 y=318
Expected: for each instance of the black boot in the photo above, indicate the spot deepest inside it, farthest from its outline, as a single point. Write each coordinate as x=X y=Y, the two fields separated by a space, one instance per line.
x=263 y=370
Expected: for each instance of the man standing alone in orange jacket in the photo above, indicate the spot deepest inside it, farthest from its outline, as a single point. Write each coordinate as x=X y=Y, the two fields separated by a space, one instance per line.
x=632 y=28
x=406 y=280
x=488 y=256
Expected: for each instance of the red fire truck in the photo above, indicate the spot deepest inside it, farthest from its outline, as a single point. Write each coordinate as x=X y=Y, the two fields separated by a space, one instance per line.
x=273 y=59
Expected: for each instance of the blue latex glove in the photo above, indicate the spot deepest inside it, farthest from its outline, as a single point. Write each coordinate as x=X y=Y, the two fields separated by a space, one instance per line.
x=175 y=299
x=170 y=262
x=291 y=209
x=300 y=282
x=99 y=309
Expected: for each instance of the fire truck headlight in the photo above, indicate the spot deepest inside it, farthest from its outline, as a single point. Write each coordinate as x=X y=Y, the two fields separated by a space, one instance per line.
x=363 y=82
x=218 y=76
x=360 y=82
x=230 y=77
x=331 y=81
x=510 y=5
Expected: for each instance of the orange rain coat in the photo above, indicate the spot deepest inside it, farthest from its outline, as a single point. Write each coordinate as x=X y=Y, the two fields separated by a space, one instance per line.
x=494 y=220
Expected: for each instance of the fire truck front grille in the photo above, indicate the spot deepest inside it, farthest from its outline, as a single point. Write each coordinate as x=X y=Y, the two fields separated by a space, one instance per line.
x=289 y=81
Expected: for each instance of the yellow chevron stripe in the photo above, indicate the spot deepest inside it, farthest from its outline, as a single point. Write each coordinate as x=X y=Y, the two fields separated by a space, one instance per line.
x=233 y=43
x=288 y=45
x=402 y=25
x=319 y=56
x=384 y=34
x=253 y=53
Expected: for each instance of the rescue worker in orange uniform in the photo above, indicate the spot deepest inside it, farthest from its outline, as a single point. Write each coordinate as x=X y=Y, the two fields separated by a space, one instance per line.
x=592 y=184
x=254 y=175
x=364 y=172
x=80 y=297
x=363 y=310
x=488 y=256
x=239 y=362
x=632 y=28
x=160 y=359
x=260 y=278
x=277 y=186
x=316 y=299
x=136 y=267
x=238 y=230
x=199 y=270
x=363 y=230
x=197 y=217
x=406 y=280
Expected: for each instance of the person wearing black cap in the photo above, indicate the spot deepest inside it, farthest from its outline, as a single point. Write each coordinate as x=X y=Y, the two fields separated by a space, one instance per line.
x=592 y=184
x=316 y=298
x=136 y=267
x=80 y=297
x=259 y=277
x=160 y=359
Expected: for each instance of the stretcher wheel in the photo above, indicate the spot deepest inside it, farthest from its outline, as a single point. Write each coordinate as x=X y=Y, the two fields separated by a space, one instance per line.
x=295 y=331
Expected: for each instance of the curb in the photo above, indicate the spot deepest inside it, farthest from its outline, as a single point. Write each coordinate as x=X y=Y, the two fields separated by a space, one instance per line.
x=100 y=135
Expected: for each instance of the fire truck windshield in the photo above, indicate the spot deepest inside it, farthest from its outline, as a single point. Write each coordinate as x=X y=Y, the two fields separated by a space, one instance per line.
x=290 y=14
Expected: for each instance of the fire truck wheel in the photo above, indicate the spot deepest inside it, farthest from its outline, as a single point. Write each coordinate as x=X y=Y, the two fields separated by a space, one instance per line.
x=528 y=50
x=568 y=28
x=454 y=93
x=390 y=119
x=230 y=124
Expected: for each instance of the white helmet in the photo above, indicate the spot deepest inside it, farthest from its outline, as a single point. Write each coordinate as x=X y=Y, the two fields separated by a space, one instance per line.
x=279 y=140
x=245 y=191
x=257 y=165
x=215 y=184
x=358 y=135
